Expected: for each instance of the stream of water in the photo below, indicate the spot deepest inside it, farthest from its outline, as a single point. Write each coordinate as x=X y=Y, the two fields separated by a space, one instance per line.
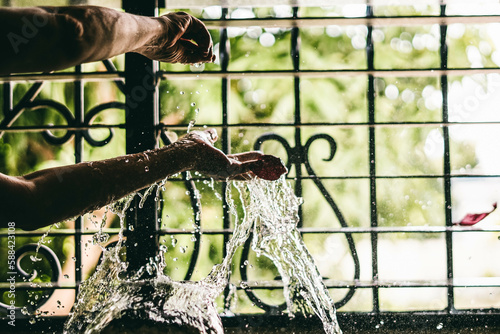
x=270 y=211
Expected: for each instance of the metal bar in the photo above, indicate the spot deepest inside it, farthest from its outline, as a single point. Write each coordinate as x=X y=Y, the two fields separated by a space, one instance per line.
x=334 y=73
x=141 y=126
x=298 y=158
x=119 y=76
x=306 y=230
x=7 y=98
x=342 y=125
x=160 y=126
x=303 y=230
x=446 y=161
x=224 y=48
x=370 y=52
x=79 y=117
x=87 y=76
x=374 y=21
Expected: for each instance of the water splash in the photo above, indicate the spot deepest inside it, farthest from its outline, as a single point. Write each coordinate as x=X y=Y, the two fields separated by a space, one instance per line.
x=271 y=210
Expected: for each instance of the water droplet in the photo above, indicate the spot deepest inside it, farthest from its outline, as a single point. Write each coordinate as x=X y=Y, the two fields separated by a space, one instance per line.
x=131 y=227
x=193 y=104
x=32 y=321
x=174 y=242
x=182 y=92
x=175 y=259
x=66 y=276
x=146 y=169
x=440 y=326
x=35 y=259
x=182 y=249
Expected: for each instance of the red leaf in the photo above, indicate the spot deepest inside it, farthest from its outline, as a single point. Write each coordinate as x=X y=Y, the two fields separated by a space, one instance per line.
x=474 y=218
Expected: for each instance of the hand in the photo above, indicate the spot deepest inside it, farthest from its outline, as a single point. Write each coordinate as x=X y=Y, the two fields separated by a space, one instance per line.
x=214 y=163
x=187 y=41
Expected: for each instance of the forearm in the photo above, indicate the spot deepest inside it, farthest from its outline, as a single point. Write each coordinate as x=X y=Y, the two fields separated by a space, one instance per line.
x=52 y=38
x=56 y=194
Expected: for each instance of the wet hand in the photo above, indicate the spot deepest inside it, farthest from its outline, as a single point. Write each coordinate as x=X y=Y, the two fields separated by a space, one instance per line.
x=214 y=163
x=187 y=40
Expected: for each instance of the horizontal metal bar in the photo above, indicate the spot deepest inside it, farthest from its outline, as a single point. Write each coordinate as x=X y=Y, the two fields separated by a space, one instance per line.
x=334 y=284
x=374 y=21
x=331 y=230
x=56 y=232
x=35 y=128
x=304 y=230
x=66 y=76
x=41 y=128
x=336 y=125
x=479 y=282
x=38 y=286
x=333 y=73
x=104 y=76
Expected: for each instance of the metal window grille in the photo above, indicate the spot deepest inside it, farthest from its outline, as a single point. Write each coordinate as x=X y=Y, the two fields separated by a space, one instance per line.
x=143 y=128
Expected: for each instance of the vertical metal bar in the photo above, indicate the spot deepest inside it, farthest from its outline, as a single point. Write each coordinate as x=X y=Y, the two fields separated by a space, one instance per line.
x=141 y=119
x=372 y=160
x=446 y=163
x=225 y=137
x=79 y=117
x=299 y=159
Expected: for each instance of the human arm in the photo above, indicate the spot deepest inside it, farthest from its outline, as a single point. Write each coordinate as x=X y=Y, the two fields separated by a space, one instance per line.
x=52 y=195
x=53 y=38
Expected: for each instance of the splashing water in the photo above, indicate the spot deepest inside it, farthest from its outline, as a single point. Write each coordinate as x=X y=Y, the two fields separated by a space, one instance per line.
x=271 y=210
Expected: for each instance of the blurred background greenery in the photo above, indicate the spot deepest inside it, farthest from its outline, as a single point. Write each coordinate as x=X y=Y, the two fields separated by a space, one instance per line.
x=409 y=157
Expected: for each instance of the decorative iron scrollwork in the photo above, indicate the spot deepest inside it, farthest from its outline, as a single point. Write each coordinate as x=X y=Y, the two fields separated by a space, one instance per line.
x=71 y=122
x=297 y=156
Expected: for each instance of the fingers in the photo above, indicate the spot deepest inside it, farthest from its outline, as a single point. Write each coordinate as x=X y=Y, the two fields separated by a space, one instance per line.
x=193 y=40
x=198 y=32
x=209 y=136
x=192 y=53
